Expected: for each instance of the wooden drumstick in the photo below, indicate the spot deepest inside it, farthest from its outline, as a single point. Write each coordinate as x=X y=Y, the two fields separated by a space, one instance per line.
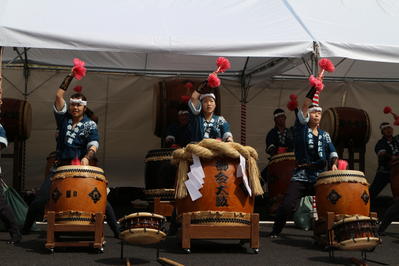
x=167 y=261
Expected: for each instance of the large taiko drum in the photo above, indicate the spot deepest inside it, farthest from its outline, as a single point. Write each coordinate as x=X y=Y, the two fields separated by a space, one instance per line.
x=356 y=233
x=279 y=174
x=16 y=118
x=168 y=96
x=160 y=174
x=142 y=228
x=77 y=192
x=395 y=177
x=221 y=191
x=347 y=126
x=342 y=192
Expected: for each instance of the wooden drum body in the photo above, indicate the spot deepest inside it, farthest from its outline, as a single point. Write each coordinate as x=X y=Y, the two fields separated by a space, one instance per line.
x=160 y=174
x=347 y=126
x=77 y=193
x=356 y=233
x=395 y=178
x=16 y=118
x=342 y=192
x=142 y=228
x=279 y=174
x=221 y=191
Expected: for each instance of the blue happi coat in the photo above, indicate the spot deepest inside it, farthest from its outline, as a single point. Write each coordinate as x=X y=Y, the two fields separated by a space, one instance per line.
x=309 y=151
x=74 y=142
x=201 y=129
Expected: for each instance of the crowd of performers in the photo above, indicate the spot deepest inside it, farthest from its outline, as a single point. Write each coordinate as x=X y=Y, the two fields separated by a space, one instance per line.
x=78 y=139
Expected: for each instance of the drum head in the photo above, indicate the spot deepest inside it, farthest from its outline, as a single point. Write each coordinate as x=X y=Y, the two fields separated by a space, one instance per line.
x=141 y=214
x=341 y=176
x=363 y=243
x=282 y=157
x=142 y=236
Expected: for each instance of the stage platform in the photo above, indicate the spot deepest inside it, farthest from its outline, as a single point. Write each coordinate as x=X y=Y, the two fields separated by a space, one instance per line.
x=294 y=247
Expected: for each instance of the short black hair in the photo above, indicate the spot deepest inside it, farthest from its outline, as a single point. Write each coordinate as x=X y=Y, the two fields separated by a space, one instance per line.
x=78 y=95
x=278 y=111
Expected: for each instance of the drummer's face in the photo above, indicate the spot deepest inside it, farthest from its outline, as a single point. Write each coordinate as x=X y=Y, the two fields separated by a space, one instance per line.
x=208 y=104
x=315 y=117
x=76 y=110
x=387 y=132
x=280 y=120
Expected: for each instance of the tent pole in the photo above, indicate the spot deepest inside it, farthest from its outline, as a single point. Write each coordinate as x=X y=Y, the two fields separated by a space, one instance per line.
x=244 y=99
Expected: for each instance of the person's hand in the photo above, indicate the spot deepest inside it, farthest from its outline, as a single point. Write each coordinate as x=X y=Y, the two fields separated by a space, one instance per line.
x=229 y=139
x=84 y=161
x=334 y=167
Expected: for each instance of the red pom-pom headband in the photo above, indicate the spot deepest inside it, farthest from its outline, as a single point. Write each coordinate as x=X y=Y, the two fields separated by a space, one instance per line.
x=293 y=103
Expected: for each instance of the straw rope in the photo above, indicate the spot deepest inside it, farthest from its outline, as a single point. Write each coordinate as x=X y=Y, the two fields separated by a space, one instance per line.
x=210 y=149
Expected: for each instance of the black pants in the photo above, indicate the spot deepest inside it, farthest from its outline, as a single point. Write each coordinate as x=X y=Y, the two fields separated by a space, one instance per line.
x=390 y=214
x=7 y=217
x=379 y=183
x=296 y=190
x=36 y=208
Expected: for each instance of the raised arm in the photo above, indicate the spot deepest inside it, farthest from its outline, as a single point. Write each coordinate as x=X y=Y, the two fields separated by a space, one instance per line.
x=59 y=96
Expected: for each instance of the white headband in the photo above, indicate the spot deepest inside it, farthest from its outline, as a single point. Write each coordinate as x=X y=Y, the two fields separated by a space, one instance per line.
x=385 y=126
x=278 y=114
x=181 y=112
x=78 y=101
x=207 y=95
x=315 y=109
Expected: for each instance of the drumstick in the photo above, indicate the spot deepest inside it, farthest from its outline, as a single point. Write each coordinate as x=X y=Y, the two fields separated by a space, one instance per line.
x=167 y=261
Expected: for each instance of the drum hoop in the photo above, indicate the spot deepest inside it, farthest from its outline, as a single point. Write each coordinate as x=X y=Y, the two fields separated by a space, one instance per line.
x=355 y=218
x=282 y=157
x=142 y=214
x=358 y=240
x=329 y=177
x=160 y=191
x=87 y=168
x=158 y=158
x=142 y=229
x=201 y=217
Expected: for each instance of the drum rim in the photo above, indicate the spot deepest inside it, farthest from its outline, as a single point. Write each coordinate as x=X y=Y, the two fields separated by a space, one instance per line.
x=143 y=229
x=141 y=214
x=356 y=176
x=80 y=167
x=281 y=156
x=164 y=190
x=355 y=218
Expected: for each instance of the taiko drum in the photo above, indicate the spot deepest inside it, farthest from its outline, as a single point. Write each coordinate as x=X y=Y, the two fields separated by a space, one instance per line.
x=221 y=191
x=395 y=178
x=279 y=174
x=78 y=192
x=342 y=192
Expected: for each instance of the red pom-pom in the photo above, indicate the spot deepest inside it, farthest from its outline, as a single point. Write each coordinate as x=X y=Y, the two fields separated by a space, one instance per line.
x=223 y=64
x=342 y=165
x=79 y=70
x=292 y=105
x=188 y=85
x=213 y=81
x=185 y=98
x=387 y=109
x=396 y=123
x=327 y=65
x=315 y=82
x=293 y=97
x=78 y=89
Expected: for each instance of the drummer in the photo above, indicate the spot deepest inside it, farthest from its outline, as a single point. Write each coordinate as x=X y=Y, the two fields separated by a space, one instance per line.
x=280 y=139
x=77 y=140
x=177 y=133
x=7 y=215
x=203 y=122
x=314 y=153
x=386 y=148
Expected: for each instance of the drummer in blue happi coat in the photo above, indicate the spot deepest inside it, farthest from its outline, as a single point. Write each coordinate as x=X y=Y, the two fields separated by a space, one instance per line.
x=203 y=122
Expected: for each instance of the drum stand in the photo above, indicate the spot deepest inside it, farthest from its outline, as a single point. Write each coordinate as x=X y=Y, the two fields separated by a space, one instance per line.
x=97 y=228
x=323 y=234
x=190 y=231
x=163 y=207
